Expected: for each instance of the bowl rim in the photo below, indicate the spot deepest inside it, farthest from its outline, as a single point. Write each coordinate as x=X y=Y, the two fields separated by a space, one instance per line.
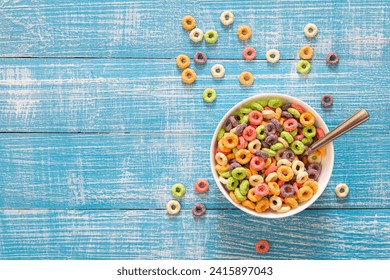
x=329 y=148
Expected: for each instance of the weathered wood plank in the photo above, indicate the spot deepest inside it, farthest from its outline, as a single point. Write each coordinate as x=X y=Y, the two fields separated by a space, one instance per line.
x=151 y=234
x=136 y=171
x=112 y=95
x=152 y=29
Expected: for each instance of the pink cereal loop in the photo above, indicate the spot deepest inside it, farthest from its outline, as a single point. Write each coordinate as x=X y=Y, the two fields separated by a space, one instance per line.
x=257 y=163
x=299 y=137
x=290 y=124
x=241 y=143
x=270 y=169
x=320 y=132
x=202 y=186
x=255 y=118
x=249 y=133
x=262 y=190
x=280 y=183
x=298 y=107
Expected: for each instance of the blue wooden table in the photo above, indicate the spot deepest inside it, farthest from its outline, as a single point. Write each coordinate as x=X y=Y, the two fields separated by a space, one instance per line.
x=96 y=126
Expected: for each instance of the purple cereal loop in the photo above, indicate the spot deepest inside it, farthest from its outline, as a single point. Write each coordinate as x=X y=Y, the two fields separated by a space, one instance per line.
x=198 y=209
x=287 y=115
x=289 y=155
x=269 y=128
x=286 y=106
x=287 y=190
x=200 y=58
x=233 y=160
x=262 y=154
x=315 y=166
x=327 y=100
x=234 y=165
x=332 y=58
x=277 y=125
x=228 y=127
x=313 y=174
x=240 y=128
x=271 y=139
x=265 y=144
x=233 y=121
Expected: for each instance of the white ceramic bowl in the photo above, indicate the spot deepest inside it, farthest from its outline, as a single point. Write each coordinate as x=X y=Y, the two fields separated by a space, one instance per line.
x=327 y=159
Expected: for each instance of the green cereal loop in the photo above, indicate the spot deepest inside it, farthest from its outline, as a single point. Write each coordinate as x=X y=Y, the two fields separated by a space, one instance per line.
x=260 y=133
x=239 y=173
x=270 y=152
x=275 y=102
x=209 y=95
x=294 y=112
x=297 y=147
x=238 y=195
x=244 y=119
x=303 y=67
x=211 y=36
x=255 y=106
x=309 y=131
x=244 y=187
x=235 y=150
x=287 y=136
x=245 y=111
x=231 y=184
x=221 y=133
x=307 y=141
x=277 y=146
x=178 y=190
x=263 y=102
x=294 y=132
x=225 y=175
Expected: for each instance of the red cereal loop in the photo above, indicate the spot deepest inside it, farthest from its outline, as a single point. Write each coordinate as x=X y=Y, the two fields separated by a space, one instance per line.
x=298 y=107
x=202 y=186
x=262 y=246
x=320 y=132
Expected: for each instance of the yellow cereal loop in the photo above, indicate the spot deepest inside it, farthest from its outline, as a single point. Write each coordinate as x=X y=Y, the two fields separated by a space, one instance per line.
x=182 y=61
x=244 y=32
x=243 y=156
x=305 y=193
x=312 y=184
x=292 y=202
x=188 y=22
x=262 y=205
x=274 y=188
x=246 y=78
x=188 y=76
x=252 y=197
x=285 y=173
x=230 y=140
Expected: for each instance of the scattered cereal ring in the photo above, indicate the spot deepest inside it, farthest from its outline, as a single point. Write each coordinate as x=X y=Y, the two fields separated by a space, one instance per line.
x=198 y=209
x=200 y=58
x=217 y=71
x=306 y=53
x=202 y=186
x=173 y=207
x=178 y=190
x=246 y=78
x=188 y=22
x=327 y=100
x=249 y=53
x=183 y=61
x=196 y=35
x=332 y=58
x=272 y=56
x=341 y=190
x=188 y=76
x=262 y=246
x=211 y=36
x=303 y=67
x=310 y=30
x=244 y=32
x=227 y=18
x=209 y=95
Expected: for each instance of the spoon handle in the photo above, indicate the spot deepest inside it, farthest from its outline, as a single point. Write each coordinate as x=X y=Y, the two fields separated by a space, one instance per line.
x=356 y=119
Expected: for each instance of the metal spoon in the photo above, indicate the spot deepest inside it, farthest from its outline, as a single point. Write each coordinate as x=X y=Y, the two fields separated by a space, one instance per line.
x=353 y=121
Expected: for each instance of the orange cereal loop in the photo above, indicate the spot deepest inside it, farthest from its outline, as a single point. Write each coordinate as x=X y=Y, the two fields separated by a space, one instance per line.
x=285 y=173
x=268 y=162
x=182 y=61
x=234 y=198
x=312 y=184
x=222 y=148
x=230 y=140
x=254 y=172
x=305 y=193
x=292 y=202
x=244 y=32
x=262 y=206
x=322 y=151
x=307 y=119
x=188 y=23
x=306 y=52
x=188 y=76
x=304 y=160
x=243 y=156
x=248 y=173
x=246 y=78
x=252 y=197
x=222 y=168
x=274 y=188
x=230 y=156
x=248 y=204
